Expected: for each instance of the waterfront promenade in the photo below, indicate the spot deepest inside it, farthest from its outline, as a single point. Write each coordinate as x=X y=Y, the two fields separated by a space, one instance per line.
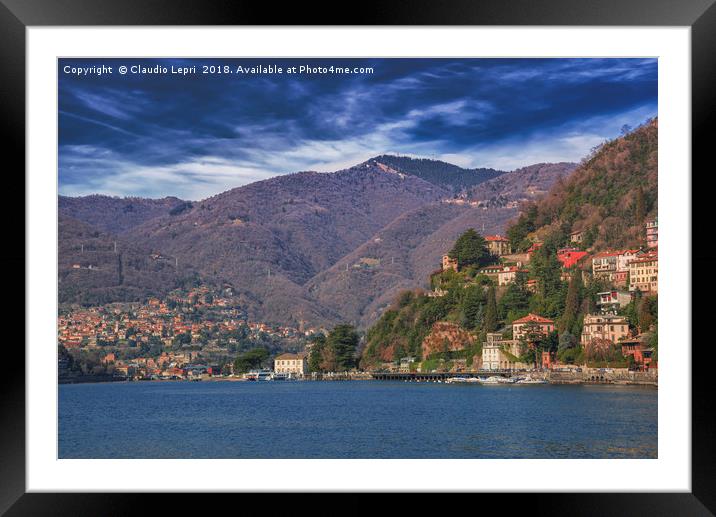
x=586 y=376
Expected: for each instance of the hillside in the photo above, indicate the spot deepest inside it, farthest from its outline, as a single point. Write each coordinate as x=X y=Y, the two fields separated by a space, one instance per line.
x=608 y=197
x=525 y=184
x=269 y=238
x=400 y=256
x=309 y=247
x=440 y=173
x=404 y=253
x=114 y=214
x=92 y=271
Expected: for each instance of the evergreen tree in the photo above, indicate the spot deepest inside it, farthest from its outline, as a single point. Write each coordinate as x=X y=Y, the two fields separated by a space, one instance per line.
x=571 y=304
x=490 y=319
x=470 y=250
x=472 y=303
x=515 y=302
x=343 y=342
x=316 y=356
x=548 y=271
x=517 y=233
x=252 y=359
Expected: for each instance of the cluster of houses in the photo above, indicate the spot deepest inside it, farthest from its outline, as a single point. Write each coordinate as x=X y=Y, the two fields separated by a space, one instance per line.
x=632 y=269
x=162 y=320
x=626 y=271
x=499 y=353
x=168 y=365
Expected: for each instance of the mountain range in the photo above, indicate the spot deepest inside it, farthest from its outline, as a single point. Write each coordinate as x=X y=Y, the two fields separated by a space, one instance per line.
x=309 y=247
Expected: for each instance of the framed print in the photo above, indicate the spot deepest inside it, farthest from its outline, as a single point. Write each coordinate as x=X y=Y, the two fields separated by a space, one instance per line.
x=412 y=254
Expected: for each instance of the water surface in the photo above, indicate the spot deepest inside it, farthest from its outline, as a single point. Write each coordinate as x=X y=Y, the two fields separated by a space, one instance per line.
x=359 y=419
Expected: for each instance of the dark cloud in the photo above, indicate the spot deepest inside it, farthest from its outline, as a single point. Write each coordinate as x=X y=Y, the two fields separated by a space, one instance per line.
x=134 y=134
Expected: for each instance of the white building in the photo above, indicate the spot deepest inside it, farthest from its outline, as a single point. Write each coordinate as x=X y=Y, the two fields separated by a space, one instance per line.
x=500 y=354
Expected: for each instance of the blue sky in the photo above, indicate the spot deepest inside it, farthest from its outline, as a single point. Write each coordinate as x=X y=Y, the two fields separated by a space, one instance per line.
x=193 y=136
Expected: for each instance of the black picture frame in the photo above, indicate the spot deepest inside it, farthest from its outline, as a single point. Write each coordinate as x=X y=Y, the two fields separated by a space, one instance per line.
x=17 y=15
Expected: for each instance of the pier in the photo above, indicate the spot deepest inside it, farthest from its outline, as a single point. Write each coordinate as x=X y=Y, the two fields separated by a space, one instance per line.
x=440 y=376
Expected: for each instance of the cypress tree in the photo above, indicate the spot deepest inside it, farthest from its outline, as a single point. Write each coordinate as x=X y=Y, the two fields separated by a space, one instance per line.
x=490 y=319
x=571 y=304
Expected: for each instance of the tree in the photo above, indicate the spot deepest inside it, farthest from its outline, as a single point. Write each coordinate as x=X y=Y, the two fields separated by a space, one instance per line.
x=517 y=233
x=490 y=319
x=515 y=302
x=316 y=356
x=572 y=303
x=342 y=342
x=566 y=341
x=536 y=341
x=548 y=272
x=645 y=317
x=470 y=250
x=472 y=303
x=250 y=360
x=599 y=349
x=653 y=342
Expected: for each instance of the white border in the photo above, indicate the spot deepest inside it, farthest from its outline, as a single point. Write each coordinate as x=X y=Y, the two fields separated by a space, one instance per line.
x=671 y=471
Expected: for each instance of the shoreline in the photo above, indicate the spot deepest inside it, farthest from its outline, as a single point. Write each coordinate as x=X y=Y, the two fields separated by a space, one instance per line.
x=650 y=384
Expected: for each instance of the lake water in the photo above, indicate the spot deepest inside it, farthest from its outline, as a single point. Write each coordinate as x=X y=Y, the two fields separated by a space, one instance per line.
x=358 y=419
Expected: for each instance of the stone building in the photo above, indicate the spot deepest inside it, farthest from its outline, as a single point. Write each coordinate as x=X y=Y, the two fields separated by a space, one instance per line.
x=521 y=326
x=295 y=364
x=652 y=233
x=449 y=263
x=500 y=354
x=604 y=326
x=644 y=273
x=498 y=245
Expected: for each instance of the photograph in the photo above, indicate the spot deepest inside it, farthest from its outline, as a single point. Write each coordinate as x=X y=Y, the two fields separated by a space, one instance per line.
x=357 y=258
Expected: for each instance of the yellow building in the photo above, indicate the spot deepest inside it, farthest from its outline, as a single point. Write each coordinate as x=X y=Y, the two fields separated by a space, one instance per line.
x=644 y=273
x=498 y=245
x=449 y=263
x=531 y=323
x=604 y=326
x=296 y=364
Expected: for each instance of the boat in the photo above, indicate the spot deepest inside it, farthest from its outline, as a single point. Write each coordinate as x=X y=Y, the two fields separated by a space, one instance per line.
x=530 y=380
x=462 y=380
x=491 y=380
x=281 y=377
x=259 y=375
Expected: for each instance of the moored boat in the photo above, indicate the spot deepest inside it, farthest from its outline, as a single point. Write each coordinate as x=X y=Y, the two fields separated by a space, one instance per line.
x=530 y=380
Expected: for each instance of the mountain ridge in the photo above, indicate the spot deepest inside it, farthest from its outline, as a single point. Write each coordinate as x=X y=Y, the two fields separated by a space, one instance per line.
x=284 y=243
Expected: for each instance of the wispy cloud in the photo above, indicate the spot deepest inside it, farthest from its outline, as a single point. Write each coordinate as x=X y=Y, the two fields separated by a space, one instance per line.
x=159 y=135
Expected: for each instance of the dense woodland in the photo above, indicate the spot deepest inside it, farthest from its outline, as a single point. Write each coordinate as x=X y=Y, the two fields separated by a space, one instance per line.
x=609 y=197
x=438 y=172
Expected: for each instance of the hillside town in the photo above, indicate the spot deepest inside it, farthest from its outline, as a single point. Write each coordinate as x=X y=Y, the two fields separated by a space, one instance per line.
x=188 y=334
x=628 y=272
x=603 y=329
